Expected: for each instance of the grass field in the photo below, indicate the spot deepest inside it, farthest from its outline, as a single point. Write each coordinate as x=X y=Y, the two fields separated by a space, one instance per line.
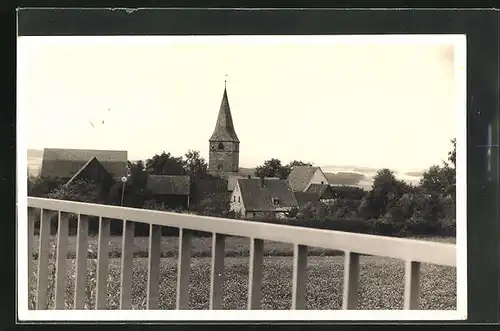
x=201 y=247
x=381 y=279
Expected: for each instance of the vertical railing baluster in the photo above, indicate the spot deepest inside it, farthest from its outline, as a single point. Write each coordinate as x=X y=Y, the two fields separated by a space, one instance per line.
x=255 y=273
x=81 y=261
x=62 y=251
x=43 y=259
x=127 y=265
x=217 y=272
x=351 y=280
x=102 y=263
x=299 y=280
x=31 y=238
x=183 y=269
x=412 y=285
x=154 y=255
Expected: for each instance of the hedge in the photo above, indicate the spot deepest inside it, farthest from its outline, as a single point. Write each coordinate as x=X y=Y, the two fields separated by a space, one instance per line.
x=384 y=227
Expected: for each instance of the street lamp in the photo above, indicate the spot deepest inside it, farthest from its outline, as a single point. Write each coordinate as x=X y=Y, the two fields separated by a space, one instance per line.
x=124 y=180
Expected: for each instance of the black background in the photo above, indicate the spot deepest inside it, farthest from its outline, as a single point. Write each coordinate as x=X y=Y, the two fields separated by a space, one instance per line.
x=480 y=26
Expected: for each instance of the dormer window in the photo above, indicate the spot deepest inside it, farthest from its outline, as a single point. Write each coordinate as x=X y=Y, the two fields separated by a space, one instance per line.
x=276 y=201
x=221 y=146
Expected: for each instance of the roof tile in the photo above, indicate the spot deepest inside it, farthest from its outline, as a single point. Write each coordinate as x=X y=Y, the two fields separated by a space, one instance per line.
x=260 y=198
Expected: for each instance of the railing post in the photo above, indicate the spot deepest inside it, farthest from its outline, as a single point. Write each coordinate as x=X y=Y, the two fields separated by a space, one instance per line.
x=62 y=251
x=102 y=263
x=299 y=280
x=255 y=273
x=154 y=266
x=351 y=280
x=183 y=268
x=43 y=259
x=81 y=261
x=412 y=285
x=217 y=274
x=31 y=237
x=127 y=264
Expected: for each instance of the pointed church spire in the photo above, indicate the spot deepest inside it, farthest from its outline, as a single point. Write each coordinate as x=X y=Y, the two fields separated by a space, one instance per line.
x=224 y=128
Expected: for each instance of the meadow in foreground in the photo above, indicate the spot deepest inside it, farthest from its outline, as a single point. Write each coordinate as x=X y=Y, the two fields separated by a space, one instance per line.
x=381 y=284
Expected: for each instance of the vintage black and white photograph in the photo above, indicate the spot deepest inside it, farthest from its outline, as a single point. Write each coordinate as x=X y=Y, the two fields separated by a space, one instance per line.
x=241 y=177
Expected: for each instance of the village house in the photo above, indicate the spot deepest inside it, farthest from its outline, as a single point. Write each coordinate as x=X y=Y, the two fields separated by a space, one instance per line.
x=301 y=177
x=261 y=198
x=65 y=163
x=305 y=198
x=323 y=192
x=69 y=165
x=170 y=191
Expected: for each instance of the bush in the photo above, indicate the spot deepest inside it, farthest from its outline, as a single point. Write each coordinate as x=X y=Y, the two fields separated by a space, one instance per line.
x=447 y=227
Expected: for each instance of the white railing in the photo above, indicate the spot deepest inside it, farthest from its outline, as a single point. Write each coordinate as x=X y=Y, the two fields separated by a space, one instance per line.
x=413 y=252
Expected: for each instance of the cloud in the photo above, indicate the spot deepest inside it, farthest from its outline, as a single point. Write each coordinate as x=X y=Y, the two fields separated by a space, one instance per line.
x=414 y=173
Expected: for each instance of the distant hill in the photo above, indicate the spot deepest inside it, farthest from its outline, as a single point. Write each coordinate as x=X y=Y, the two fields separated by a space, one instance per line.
x=35 y=157
x=34 y=153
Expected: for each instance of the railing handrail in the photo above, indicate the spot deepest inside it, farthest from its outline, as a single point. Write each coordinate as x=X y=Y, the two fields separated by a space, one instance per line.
x=398 y=248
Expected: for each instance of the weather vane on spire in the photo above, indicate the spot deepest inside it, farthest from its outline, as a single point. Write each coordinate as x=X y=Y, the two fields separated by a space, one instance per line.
x=225 y=81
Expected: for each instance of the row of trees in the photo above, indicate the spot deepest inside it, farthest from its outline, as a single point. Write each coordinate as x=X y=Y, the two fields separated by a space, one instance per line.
x=393 y=206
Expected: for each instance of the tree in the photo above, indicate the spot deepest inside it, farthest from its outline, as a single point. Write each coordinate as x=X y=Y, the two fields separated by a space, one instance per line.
x=138 y=176
x=296 y=163
x=270 y=168
x=441 y=180
x=452 y=155
x=165 y=164
x=437 y=180
x=80 y=190
x=386 y=191
x=194 y=165
x=285 y=170
x=136 y=191
x=274 y=168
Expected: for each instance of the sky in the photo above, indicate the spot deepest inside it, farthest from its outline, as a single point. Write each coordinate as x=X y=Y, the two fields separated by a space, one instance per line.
x=331 y=102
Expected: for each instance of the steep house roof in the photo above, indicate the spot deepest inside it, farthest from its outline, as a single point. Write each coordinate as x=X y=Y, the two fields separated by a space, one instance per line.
x=65 y=163
x=233 y=179
x=300 y=176
x=258 y=197
x=303 y=198
x=169 y=185
x=322 y=191
x=93 y=162
x=224 y=128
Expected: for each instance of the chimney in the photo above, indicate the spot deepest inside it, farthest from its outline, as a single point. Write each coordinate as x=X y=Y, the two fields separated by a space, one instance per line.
x=262 y=184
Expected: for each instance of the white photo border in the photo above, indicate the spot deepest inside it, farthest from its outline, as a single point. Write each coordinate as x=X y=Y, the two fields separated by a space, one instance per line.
x=459 y=43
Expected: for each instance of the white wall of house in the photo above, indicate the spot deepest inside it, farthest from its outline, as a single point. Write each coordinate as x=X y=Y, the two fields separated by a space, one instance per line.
x=236 y=202
x=318 y=178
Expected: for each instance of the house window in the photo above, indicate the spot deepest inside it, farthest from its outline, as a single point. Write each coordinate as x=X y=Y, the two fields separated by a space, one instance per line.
x=239 y=200
x=276 y=201
x=234 y=199
x=221 y=146
x=322 y=182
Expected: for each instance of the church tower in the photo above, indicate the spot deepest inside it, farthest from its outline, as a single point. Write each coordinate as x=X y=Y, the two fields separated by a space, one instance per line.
x=224 y=153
